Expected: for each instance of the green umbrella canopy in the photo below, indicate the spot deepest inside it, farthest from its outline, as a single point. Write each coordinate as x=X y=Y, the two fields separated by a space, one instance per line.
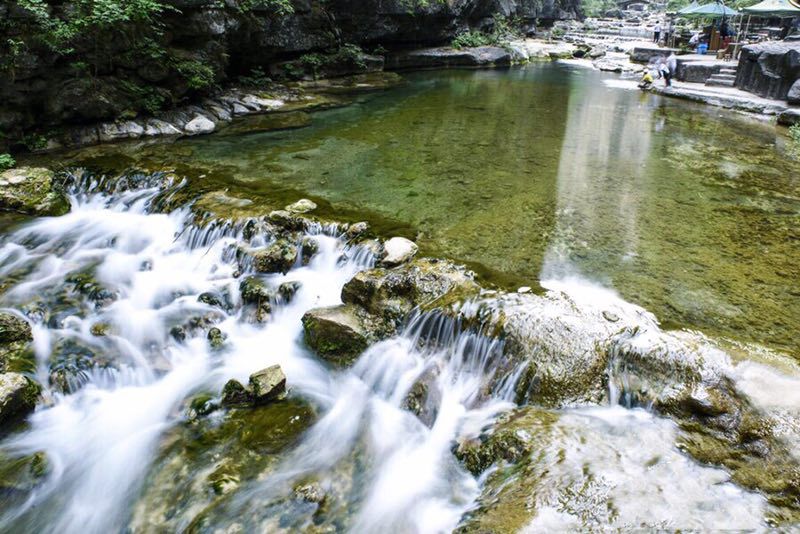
x=776 y=8
x=689 y=8
x=710 y=10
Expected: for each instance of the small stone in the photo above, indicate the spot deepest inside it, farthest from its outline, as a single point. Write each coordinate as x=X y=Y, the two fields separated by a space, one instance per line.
x=356 y=229
x=398 y=250
x=287 y=290
x=199 y=125
x=210 y=299
x=33 y=191
x=255 y=291
x=100 y=329
x=216 y=338
x=235 y=394
x=268 y=384
x=524 y=289
x=301 y=206
x=178 y=333
x=610 y=316
x=309 y=248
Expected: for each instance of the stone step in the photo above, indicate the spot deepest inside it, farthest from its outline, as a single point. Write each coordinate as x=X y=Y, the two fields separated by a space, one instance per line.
x=723 y=76
x=719 y=83
x=728 y=70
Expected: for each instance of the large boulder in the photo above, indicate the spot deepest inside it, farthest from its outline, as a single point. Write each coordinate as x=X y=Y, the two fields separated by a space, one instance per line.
x=769 y=69
x=33 y=191
x=338 y=333
x=18 y=395
x=793 y=96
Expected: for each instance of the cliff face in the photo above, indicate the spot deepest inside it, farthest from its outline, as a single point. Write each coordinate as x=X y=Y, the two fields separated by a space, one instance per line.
x=204 y=43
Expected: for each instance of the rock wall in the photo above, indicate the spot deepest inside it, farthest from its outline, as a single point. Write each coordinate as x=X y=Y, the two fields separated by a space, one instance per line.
x=770 y=70
x=206 y=43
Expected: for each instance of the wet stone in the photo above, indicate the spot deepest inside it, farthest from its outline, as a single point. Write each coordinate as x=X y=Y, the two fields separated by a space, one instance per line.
x=216 y=338
x=235 y=394
x=279 y=257
x=268 y=384
x=18 y=396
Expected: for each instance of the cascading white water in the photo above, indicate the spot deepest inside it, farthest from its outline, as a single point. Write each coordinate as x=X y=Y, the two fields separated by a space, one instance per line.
x=401 y=475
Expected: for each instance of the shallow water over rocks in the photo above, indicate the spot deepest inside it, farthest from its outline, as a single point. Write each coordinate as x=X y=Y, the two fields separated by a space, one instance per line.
x=534 y=175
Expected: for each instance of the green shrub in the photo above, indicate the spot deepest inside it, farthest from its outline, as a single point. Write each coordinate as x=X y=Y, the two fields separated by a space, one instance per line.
x=503 y=30
x=256 y=78
x=197 y=75
x=471 y=39
x=6 y=162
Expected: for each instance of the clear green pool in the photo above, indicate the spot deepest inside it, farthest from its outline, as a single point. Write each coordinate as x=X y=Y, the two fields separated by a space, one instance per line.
x=544 y=171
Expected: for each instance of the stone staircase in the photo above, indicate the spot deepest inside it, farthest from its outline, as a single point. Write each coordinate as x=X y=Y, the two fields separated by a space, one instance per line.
x=724 y=78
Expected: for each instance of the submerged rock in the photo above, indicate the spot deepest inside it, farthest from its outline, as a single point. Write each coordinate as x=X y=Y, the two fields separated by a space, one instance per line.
x=398 y=250
x=268 y=384
x=33 y=191
x=18 y=396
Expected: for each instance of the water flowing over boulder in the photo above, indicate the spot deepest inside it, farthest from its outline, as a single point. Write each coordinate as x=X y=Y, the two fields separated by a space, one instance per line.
x=377 y=302
x=32 y=191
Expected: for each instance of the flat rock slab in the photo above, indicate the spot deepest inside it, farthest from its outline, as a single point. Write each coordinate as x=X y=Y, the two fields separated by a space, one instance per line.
x=481 y=56
x=644 y=54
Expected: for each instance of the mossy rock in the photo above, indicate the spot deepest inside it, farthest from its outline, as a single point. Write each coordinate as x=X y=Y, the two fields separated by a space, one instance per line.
x=205 y=462
x=16 y=353
x=336 y=333
x=18 y=396
x=279 y=257
x=32 y=191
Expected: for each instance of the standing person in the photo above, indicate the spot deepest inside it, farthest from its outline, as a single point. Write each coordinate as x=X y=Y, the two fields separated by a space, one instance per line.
x=657 y=32
x=668 y=33
x=671 y=67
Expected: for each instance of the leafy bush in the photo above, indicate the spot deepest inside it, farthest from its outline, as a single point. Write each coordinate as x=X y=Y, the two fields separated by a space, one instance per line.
x=256 y=78
x=471 y=39
x=6 y=162
x=503 y=30
x=197 y=75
